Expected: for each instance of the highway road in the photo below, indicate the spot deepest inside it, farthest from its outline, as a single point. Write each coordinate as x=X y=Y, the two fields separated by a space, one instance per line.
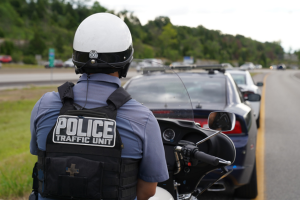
x=282 y=135
x=13 y=79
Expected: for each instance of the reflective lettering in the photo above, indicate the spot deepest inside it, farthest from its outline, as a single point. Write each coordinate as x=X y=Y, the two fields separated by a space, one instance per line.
x=87 y=140
x=107 y=129
x=101 y=141
x=63 y=138
x=80 y=133
x=68 y=139
x=71 y=126
x=95 y=140
x=61 y=124
x=89 y=128
x=95 y=126
x=109 y=141
x=58 y=137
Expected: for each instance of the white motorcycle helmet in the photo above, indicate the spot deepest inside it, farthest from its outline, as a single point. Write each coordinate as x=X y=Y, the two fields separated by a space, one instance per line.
x=102 y=44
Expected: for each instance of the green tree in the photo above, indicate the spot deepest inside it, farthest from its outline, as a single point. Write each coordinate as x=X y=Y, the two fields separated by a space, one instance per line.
x=7 y=47
x=168 y=41
x=37 y=45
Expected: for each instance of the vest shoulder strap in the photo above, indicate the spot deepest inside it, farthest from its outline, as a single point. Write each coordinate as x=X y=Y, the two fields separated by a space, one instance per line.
x=118 y=98
x=66 y=91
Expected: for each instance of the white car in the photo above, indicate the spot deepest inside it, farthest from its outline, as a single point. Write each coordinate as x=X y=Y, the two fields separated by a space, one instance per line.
x=151 y=62
x=69 y=63
x=247 y=86
x=247 y=66
x=258 y=66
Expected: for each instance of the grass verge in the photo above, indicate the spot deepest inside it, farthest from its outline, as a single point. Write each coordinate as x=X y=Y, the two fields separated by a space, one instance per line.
x=16 y=162
x=18 y=66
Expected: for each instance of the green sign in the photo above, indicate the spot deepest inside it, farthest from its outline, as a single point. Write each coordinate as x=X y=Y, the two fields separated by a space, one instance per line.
x=51 y=57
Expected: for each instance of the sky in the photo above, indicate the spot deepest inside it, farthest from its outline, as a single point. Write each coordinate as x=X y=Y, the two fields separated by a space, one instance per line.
x=262 y=20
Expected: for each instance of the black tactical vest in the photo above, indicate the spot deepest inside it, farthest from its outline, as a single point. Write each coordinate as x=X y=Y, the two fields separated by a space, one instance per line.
x=83 y=153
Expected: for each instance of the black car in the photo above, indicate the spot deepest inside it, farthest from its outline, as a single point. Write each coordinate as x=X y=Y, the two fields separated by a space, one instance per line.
x=208 y=92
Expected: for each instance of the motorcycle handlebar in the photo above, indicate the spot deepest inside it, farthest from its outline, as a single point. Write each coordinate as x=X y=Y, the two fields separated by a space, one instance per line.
x=206 y=158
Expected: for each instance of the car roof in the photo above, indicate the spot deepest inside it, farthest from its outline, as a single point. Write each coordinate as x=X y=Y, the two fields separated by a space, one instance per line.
x=217 y=74
x=237 y=71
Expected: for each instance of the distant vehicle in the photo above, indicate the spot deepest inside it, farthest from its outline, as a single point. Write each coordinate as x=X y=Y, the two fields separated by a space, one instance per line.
x=247 y=66
x=151 y=62
x=246 y=84
x=5 y=59
x=57 y=64
x=180 y=65
x=227 y=65
x=69 y=63
x=258 y=66
x=273 y=67
x=281 y=67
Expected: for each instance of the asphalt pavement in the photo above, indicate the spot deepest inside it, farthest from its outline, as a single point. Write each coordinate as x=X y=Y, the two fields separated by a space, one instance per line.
x=282 y=135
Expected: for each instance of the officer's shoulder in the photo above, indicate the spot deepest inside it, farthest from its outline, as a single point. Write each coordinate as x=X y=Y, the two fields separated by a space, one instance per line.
x=135 y=111
x=50 y=99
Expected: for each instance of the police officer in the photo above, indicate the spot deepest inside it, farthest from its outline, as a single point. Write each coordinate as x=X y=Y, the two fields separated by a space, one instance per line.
x=92 y=140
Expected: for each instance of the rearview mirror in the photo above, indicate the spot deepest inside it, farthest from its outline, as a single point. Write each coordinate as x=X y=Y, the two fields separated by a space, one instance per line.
x=221 y=121
x=260 y=84
x=254 y=97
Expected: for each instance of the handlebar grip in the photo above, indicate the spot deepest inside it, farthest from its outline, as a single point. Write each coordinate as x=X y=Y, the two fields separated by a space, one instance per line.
x=206 y=158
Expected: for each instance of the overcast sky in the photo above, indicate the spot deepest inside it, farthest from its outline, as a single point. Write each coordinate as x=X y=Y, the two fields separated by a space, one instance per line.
x=262 y=20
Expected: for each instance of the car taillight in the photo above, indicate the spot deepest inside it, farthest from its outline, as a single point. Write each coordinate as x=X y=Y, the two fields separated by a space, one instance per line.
x=246 y=93
x=237 y=129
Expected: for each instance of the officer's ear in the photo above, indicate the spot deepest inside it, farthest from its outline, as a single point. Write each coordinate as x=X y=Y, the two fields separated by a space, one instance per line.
x=123 y=72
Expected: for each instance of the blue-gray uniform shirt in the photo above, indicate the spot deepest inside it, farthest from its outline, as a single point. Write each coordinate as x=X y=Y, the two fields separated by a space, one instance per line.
x=139 y=130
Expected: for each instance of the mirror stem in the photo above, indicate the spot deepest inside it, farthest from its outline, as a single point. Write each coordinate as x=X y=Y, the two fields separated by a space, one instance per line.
x=208 y=137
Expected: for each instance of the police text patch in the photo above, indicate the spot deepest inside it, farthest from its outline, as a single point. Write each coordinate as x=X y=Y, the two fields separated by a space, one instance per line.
x=85 y=131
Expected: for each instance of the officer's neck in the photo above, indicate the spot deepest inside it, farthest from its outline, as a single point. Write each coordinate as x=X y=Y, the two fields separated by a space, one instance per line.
x=116 y=74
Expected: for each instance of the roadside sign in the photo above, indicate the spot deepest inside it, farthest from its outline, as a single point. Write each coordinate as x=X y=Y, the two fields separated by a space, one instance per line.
x=188 y=60
x=51 y=57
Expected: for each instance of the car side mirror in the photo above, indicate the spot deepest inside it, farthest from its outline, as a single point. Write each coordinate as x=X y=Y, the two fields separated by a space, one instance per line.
x=254 y=97
x=221 y=121
x=260 y=84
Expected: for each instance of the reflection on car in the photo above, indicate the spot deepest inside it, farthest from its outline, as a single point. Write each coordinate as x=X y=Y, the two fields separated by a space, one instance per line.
x=208 y=92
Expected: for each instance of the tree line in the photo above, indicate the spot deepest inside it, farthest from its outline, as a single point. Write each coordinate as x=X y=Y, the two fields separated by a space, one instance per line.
x=32 y=27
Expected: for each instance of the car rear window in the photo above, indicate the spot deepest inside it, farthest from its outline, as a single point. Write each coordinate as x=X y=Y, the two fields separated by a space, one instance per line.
x=202 y=90
x=240 y=79
x=206 y=90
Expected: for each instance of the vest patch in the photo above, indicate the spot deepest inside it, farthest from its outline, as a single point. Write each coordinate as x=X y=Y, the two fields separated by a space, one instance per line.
x=91 y=131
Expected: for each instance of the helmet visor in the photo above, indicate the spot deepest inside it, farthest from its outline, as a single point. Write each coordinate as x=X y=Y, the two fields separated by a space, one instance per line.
x=118 y=57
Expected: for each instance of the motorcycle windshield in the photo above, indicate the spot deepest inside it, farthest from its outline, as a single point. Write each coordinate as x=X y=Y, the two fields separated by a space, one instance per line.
x=161 y=89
